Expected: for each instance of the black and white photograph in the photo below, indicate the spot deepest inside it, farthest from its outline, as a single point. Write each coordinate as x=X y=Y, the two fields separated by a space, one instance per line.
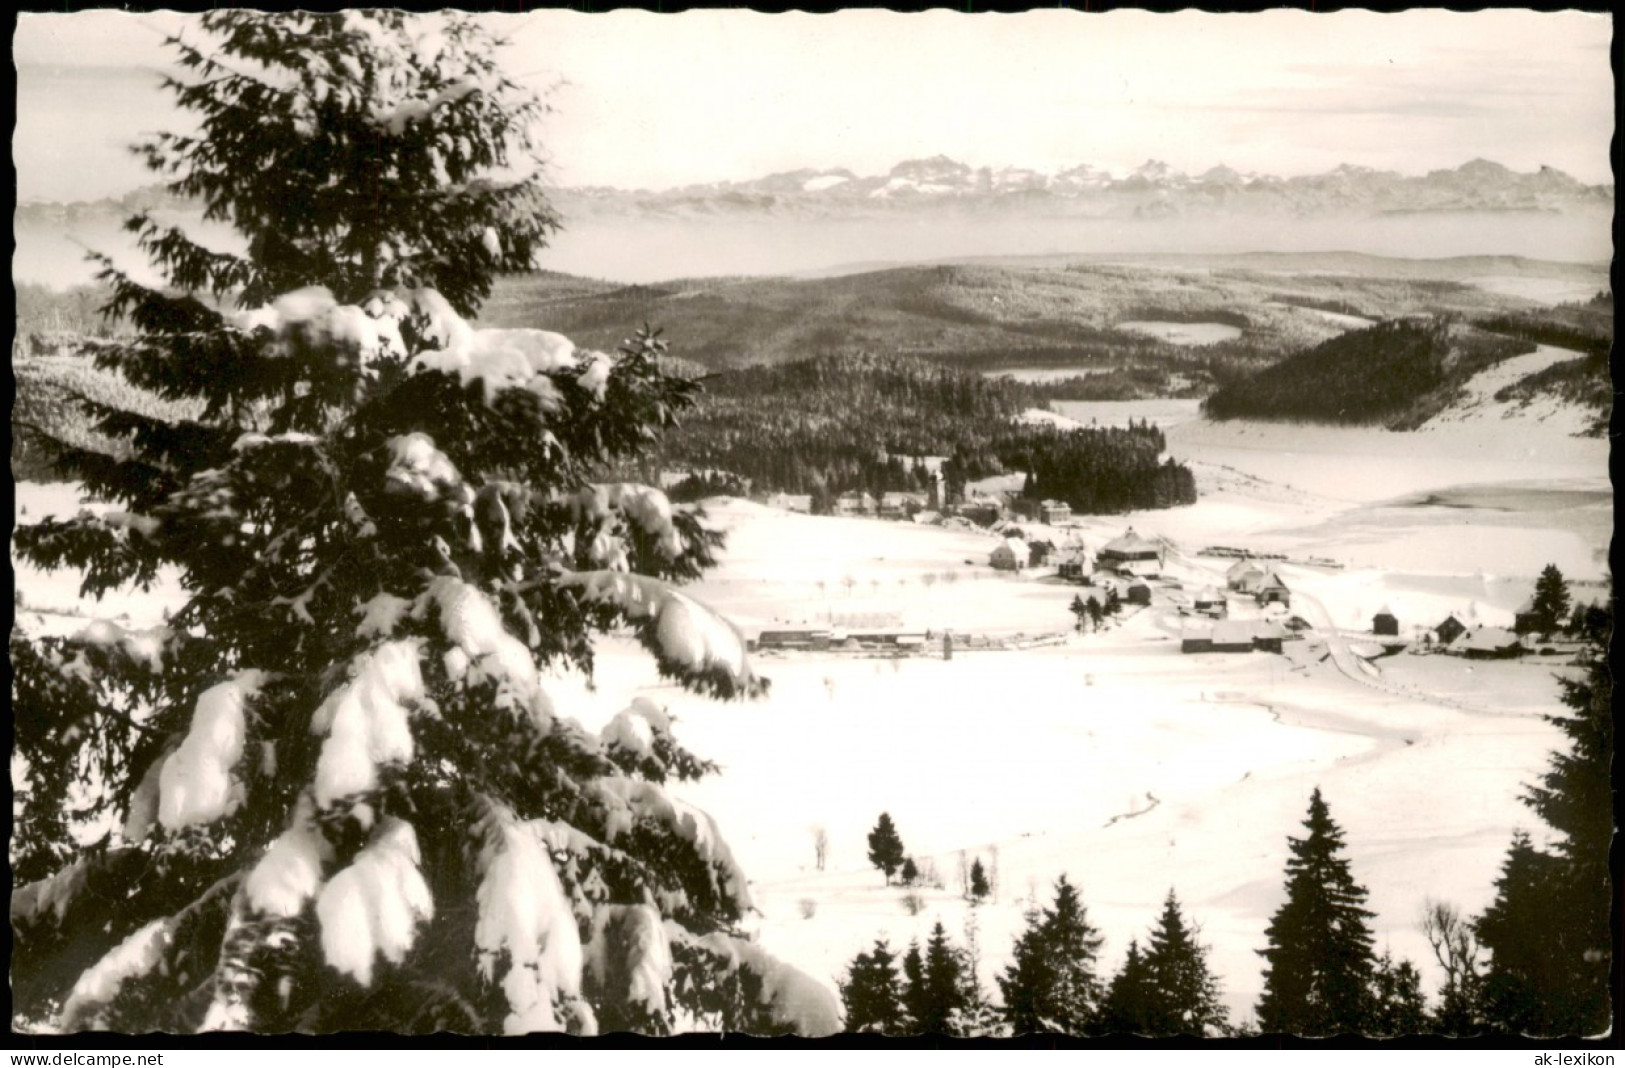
x=1037 y=527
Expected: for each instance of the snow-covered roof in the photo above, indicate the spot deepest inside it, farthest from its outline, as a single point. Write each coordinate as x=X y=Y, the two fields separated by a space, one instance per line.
x=1386 y=611
x=1233 y=631
x=1488 y=639
x=1272 y=579
x=1242 y=567
x=1130 y=542
x=1208 y=594
x=1015 y=545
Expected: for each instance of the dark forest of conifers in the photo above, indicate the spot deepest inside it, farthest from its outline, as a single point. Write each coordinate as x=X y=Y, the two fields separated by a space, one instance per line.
x=861 y=422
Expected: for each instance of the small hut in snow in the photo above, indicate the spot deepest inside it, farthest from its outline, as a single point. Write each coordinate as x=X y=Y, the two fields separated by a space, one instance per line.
x=1210 y=602
x=1244 y=576
x=1271 y=590
x=1011 y=554
x=1385 y=622
x=1489 y=643
x=1074 y=565
x=1526 y=620
x=1448 y=631
x=1139 y=592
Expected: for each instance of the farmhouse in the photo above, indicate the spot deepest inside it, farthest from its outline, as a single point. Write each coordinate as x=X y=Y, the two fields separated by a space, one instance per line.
x=982 y=511
x=1054 y=512
x=791 y=639
x=1074 y=564
x=1526 y=620
x=1385 y=622
x=1244 y=576
x=1210 y=602
x=900 y=505
x=854 y=503
x=1267 y=636
x=1131 y=554
x=1039 y=552
x=791 y=502
x=1139 y=592
x=1271 y=590
x=1232 y=636
x=1489 y=643
x=1448 y=631
x=1009 y=555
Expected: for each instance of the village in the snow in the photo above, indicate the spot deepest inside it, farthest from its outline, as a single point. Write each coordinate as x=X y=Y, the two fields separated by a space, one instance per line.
x=963 y=599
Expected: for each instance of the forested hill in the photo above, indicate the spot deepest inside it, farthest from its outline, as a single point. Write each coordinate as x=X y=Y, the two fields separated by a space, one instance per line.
x=992 y=316
x=1397 y=373
x=862 y=422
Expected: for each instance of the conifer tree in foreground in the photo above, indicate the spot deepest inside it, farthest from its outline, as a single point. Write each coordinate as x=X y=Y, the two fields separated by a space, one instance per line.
x=1317 y=981
x=1398 y=1007
x=872 y=994
x=941 y=993
x=1186 y=994
x=1167 y=990
x=1050 y=984
x=1126 y=1009
x=1547 y=931
x=338 y=792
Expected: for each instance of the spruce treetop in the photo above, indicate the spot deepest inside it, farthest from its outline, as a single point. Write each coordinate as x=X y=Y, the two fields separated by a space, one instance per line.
x=353 y=150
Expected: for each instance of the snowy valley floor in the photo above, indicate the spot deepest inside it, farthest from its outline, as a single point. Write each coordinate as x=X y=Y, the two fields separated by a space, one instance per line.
x=1111 y=757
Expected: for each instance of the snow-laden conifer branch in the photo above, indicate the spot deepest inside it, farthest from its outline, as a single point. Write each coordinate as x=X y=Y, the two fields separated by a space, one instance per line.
x=690 y=642
x=526 y=934
x=735 y=986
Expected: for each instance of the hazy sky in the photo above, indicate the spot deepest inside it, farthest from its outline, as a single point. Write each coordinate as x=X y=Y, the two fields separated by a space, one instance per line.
x=662 y=100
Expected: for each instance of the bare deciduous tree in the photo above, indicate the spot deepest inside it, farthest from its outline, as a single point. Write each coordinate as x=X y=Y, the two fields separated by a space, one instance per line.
x=820 y=845
x=1456 y=949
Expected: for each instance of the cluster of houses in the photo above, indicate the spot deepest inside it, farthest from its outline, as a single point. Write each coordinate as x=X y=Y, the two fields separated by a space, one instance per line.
x=822 y=639
x=1232 y=636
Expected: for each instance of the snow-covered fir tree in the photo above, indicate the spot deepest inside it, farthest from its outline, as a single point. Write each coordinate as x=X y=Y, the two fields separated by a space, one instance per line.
x=333 y=791
x=1050 y=984
x=1320 y=958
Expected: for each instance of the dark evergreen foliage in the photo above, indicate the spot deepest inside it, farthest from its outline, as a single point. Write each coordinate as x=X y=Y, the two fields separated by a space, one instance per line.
x=885 y=847
x=1168 y=989
x=1185 y=992
x=1050 y=984
x=979 y=888
x=1398 y=1007
x=1126 y=1009
x=872 y=993
x=340 y=795
x=1320 y=960
x=941 y=997
x=1551 y=601
x=1548 y=929
x=849 y=423
x=1379 y=375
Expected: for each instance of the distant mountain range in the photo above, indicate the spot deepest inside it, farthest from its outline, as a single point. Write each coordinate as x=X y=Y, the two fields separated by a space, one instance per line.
x=1154 y=190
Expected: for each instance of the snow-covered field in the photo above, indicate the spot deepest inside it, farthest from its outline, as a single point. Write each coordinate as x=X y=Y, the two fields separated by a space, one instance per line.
x=1112 y=757
x=1182 y=333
